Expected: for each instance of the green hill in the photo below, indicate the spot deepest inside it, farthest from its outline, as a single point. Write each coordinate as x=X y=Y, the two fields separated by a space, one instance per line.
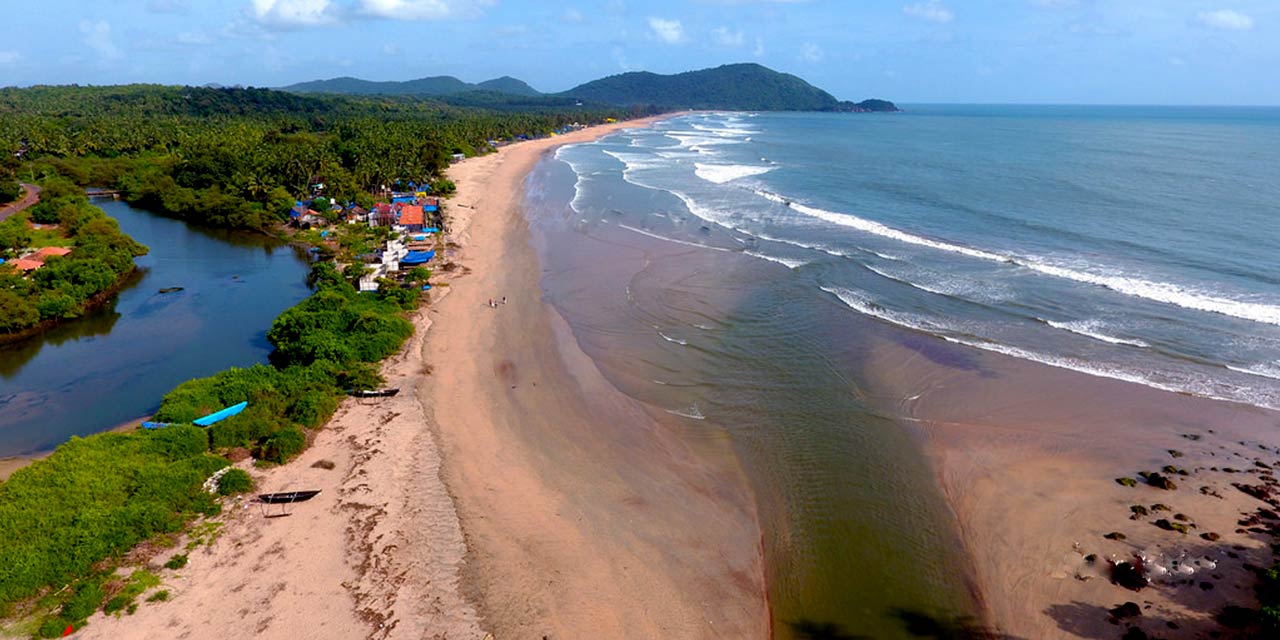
x=734 y=86
x=433 y=86
x=507 y=84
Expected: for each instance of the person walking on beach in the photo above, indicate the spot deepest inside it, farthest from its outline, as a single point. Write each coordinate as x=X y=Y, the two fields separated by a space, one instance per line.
x=504 y=299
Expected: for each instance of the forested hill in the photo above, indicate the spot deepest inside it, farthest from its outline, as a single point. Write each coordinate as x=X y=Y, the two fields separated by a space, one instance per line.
x=734 y=86
x=433 y=86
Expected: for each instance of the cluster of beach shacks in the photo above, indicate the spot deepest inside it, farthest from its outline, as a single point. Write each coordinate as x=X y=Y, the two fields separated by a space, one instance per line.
x=414 y=216
x=34 y=260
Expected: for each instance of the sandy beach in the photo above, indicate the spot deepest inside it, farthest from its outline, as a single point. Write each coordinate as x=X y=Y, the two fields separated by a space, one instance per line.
x=508 y=488
x=1028 y=457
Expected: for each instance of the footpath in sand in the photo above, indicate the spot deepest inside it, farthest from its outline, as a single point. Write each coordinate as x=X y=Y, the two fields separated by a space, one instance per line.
x=507 y=489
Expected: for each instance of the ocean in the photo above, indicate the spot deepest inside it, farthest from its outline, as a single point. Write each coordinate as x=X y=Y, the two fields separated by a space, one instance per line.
x=736 y=270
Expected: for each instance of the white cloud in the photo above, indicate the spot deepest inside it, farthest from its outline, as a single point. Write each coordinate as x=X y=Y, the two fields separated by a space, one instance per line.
x=391 y=49
x=668 y=31
x=759 y=50
x=98 y=36
x=931 y=10
x=168 y=6
x=194 y=38
x=811 y=52
x=9 y=57
x=1056 y=4
x=726 y=37
x=1225 y=19
x=420 y=9
x=294 y=13
x=572 y=16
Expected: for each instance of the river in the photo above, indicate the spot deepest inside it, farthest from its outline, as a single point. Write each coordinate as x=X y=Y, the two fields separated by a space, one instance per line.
x=115 y=364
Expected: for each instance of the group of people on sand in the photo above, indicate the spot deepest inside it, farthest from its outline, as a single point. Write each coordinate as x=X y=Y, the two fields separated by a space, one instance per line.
x=494 y=303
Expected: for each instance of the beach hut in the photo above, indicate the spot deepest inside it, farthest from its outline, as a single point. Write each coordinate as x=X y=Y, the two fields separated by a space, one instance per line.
x=412 y=217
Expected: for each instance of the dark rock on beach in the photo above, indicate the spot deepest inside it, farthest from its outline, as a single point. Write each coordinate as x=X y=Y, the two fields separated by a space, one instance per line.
x=1129 y=576
x=1126 y=610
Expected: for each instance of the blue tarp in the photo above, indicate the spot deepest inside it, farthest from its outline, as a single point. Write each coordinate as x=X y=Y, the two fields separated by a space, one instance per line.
x=155 y=425
x=420 y=237
x=417 y=257
x=431 y=230
x=219 y=416
x=403 y=199
x=430 y=207
x=426 y=287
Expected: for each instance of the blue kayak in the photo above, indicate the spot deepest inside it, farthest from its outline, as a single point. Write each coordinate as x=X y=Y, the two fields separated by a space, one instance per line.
x=219 y=416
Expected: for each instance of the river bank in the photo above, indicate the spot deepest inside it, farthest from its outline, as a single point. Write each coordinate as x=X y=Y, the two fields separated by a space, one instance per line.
x=534 y=476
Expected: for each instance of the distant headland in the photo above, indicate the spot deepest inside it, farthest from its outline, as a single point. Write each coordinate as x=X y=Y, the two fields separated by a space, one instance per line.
x=746 y=87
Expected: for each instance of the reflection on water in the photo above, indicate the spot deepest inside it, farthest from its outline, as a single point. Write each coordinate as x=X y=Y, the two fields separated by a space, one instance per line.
x=115 y=364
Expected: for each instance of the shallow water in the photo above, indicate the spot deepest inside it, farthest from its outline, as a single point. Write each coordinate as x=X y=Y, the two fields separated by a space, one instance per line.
x=115 y=364
x=736 y=270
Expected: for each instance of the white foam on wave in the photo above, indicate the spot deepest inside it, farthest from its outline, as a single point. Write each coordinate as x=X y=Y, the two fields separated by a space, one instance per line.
x=1264 y=369
x=722 y=173
x=1089 y=329
x=1163 y=292
x=664 y=238
x=786 y=262
x=864 y=305
x=692 y=412
x=678 y=341
x=1205 y=388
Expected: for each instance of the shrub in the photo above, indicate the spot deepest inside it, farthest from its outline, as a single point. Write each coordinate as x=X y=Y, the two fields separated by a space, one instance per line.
x=283 y=445
x=178 y=561
x=232 y=482
x=159 y=596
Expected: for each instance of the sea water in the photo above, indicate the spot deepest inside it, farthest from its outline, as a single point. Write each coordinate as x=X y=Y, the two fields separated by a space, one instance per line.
x=729 y=267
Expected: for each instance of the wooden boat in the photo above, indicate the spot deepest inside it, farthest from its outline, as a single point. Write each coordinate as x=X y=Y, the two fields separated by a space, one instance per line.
x=171 y=290
x=376 y=393
x=287 y=497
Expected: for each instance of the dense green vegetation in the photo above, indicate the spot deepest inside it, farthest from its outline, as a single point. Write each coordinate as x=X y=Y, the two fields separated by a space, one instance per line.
x=92 y=499
x=433 y=86
x=66 y=518
x=10 y=190
x=101 y=255
x=239 y=158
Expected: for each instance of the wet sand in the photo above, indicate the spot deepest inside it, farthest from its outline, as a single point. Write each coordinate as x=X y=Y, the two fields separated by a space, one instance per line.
x=1028 y=456
x=586 y=514
x=507 y=489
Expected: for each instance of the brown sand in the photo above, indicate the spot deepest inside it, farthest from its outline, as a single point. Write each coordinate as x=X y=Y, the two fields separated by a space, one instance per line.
x=1028 y=456
x=584 y=515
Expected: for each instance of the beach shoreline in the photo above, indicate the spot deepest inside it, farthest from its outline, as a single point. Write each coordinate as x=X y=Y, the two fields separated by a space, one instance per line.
x=1031 y=458
x=457 y=509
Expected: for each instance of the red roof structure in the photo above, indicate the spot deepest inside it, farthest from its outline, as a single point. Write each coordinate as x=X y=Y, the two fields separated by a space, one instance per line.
x=26 y=264
x=45 y=252
x=411 y=215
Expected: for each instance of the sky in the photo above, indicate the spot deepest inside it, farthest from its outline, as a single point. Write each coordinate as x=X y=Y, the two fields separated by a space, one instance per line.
x=910 y=51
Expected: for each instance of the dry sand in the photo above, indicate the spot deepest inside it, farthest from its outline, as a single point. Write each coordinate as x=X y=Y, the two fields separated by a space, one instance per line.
x=508 y=488
x=1028 y=457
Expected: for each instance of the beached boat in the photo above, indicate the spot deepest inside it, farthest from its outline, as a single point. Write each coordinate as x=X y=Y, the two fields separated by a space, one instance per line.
x=218 y=416
x=287 y=497
x=375 y=393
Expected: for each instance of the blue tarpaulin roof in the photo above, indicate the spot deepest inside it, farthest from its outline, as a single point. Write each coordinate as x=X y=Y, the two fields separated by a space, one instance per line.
x=417 y=257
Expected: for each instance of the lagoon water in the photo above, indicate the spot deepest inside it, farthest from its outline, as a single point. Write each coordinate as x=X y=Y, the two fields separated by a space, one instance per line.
x=115 y=364
x=730 y=269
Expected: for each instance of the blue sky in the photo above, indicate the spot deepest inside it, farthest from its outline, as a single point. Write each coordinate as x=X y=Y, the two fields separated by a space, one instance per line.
x=1021 y=51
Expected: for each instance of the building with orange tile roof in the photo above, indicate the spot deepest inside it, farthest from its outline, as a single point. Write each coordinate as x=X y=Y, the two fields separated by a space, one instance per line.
x=412 y=217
